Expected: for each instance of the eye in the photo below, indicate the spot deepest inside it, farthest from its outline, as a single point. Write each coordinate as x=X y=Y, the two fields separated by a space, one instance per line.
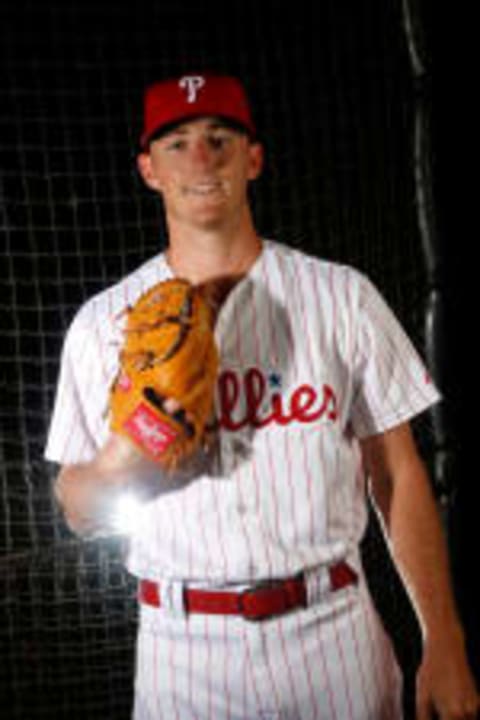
x=218 y=141
x=176 y=145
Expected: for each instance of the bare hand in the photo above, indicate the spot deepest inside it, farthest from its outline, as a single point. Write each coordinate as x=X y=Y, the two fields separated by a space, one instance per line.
x=87 y=492
x=445 y=683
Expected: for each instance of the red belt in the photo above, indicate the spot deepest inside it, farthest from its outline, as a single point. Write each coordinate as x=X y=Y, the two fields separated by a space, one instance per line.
x=265 y=600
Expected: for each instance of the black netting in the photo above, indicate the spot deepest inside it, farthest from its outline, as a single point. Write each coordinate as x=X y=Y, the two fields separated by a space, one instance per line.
x=334 y=98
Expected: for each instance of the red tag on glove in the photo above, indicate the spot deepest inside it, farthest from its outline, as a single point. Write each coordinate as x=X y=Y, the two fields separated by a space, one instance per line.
x=149 y=430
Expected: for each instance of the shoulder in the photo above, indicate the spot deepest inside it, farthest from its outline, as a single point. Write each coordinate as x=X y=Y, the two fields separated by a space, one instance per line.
x=103 y=308
x=344 y=280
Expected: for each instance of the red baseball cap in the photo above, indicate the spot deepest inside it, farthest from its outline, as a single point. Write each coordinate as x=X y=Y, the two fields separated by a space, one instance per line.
x=191 y=96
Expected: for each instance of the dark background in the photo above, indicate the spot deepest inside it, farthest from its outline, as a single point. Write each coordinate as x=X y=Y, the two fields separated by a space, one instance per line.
x=455 y=148
x=335 y=102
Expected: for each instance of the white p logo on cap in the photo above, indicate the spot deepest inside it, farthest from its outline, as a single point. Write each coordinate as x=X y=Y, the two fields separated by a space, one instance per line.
x=192 y=84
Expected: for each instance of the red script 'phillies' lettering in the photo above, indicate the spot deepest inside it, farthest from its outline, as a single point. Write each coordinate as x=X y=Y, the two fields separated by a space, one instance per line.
x=303 y=404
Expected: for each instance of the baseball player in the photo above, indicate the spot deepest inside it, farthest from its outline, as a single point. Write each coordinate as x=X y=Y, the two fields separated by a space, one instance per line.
x=252 y=597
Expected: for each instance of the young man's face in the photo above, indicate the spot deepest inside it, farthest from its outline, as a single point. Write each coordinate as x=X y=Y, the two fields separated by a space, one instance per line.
x=202 y=169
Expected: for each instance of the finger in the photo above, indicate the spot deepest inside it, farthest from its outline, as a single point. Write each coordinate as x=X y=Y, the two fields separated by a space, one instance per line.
x=424 y=709
x=171 y=405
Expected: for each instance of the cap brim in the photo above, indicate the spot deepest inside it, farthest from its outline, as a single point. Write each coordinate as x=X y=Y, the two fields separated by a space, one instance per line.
x=165 y=129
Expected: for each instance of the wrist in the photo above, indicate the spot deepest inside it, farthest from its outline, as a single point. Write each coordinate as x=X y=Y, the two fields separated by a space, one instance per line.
x=116 y=456
x=445 y=635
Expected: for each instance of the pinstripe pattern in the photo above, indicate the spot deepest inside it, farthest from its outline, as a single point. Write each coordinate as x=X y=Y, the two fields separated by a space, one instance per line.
x=324 y=645
x=311 y=359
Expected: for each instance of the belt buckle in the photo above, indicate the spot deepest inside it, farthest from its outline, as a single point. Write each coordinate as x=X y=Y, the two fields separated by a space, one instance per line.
x=264 y=586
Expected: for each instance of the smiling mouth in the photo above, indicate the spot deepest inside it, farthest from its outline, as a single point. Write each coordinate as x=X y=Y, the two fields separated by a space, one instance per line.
x=204 y=189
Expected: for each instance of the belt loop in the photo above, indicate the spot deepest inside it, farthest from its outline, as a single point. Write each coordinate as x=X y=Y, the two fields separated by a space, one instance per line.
x=317 y=582
x=172 y=598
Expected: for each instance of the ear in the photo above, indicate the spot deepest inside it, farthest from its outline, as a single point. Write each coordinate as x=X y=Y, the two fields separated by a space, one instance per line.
x=255 y=160
x=145 y=168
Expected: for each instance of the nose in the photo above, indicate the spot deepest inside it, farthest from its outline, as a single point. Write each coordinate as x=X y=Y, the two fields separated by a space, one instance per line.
x=203 y=155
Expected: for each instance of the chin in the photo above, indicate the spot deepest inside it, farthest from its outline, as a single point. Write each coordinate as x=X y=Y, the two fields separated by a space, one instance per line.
x=210 y=217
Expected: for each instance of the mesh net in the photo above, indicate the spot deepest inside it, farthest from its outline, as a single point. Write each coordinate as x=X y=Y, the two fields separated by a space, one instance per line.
x=334 y=100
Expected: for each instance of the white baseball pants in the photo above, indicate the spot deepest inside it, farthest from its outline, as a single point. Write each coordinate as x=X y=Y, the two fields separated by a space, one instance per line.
x=330 y=661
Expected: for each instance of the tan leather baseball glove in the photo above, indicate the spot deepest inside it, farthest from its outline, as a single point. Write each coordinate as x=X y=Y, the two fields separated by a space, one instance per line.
x=169 y=360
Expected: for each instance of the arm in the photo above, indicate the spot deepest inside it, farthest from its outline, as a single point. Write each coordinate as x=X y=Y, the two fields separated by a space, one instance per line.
x=401 y=486
x=87 y=492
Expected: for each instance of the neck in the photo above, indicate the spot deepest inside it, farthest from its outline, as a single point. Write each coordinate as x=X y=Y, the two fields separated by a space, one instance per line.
x=205 y=254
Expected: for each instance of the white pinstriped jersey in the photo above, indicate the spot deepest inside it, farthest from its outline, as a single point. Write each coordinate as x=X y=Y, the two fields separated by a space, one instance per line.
x=312 y=359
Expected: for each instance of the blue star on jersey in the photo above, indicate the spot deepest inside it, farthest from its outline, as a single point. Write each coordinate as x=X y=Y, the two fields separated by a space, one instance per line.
x=275 y=380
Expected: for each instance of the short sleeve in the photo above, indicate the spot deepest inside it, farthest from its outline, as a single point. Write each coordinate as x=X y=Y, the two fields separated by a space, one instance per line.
x=391 y=382
x=89 y=364
x=71 y=438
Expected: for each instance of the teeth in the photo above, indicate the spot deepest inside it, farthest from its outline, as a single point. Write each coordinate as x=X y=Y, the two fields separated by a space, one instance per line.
x=205 y=188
